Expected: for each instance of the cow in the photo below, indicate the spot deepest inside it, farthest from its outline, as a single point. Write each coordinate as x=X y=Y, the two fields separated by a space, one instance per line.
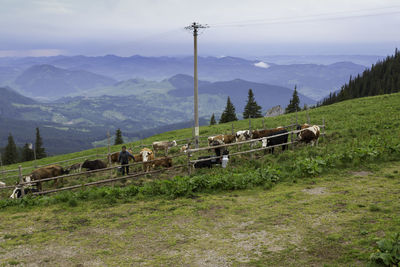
x=163 y=162
x=225 y=138
x=206 y=163
x=45 y=172
x=74 y=167
x=147 y=155
x=115 y=156
x=17 y=192
x=2 y=184
x=309 y=135
x=243 y=135
x=184 y=148
x=257 y=134
x=274 y=140
x=91 y=165
x=219 y=151
x=163 y=145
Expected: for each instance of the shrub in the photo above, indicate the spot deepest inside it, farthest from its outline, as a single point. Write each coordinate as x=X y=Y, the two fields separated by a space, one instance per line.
x=388 y=252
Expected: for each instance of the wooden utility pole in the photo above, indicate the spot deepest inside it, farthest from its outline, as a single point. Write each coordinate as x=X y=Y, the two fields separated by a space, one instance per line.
x=194 y=27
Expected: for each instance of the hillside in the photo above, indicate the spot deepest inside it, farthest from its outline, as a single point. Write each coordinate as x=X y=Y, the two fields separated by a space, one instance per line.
x=325 y=205
x=381 y=78
x=138 y=107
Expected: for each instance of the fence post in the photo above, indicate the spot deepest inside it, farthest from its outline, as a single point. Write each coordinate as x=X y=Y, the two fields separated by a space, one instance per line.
x=188 y=163
x=233 y=131
x=263 y=124
x=21 y=180
x=109 y=154
x=323 y=125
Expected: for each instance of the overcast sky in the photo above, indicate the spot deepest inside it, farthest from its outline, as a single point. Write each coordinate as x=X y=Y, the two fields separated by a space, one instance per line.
x=237 y=27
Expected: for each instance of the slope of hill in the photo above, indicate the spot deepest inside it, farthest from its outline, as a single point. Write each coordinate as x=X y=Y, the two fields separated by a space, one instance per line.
x=47 y=81
x=382 y=78
x=329 y=206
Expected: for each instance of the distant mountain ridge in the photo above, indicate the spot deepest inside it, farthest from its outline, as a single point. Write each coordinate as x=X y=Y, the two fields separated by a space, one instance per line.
x=49 y=81
x=313 y=80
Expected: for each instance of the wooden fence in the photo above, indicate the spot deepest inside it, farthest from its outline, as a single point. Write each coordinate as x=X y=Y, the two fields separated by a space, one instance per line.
x=189 y=165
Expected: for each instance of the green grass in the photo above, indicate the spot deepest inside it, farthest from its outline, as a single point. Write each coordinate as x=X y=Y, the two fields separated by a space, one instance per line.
x=325 y=205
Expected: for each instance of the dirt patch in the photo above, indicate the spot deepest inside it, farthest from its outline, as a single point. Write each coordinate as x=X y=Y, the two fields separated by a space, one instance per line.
x=315 y=191
x=361 y=173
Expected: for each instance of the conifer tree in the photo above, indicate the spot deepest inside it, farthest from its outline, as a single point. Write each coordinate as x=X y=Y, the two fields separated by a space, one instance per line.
x=294 y=104
x=229 y=113
x=39 y=149
x=27 y=153
x=118 y=137
x=10 y=153
x=212 y=120
x=252 y=109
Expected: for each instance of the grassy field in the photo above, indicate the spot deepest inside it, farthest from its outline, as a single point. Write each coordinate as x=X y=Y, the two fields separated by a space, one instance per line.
x=311 y=206
x=332 y=220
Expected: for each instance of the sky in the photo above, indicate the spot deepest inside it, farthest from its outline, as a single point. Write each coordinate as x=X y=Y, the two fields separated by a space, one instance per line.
x=236 y=27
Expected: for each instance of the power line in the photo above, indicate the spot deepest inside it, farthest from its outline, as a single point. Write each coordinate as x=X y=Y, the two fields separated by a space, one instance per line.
x=314 y=17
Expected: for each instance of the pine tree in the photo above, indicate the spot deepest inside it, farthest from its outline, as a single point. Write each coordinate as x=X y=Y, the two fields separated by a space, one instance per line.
x=229 y=113
x=39 y=149
x=212 y=120
x=294 y=104
x=252 y=109
x=27 y=153
x=10 y=154
x=118 y=137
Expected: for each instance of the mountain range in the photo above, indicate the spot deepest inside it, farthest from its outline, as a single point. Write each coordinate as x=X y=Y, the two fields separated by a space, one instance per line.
x=313 y=80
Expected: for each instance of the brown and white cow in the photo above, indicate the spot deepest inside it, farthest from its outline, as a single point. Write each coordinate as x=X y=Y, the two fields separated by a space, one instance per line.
x=147 y=156
x=309 y=135
x=225 y=138
x=163 y=145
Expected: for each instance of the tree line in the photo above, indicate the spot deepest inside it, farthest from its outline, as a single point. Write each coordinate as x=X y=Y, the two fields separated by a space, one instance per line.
x=13 y=154
x=252 y=109
x=382 y=78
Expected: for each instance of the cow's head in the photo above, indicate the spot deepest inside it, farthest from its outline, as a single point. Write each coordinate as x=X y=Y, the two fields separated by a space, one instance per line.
x=173 y=143
x=184 y=148
x=145 y=155
x=16 y=193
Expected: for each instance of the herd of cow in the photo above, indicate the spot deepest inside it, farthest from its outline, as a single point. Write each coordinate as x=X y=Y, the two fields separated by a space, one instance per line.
x=268 y=138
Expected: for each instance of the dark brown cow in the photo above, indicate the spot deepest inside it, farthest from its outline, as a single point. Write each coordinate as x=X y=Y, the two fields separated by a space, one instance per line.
x=163 y=162
x=46 y=172
x=264 y=133
x=92 y=165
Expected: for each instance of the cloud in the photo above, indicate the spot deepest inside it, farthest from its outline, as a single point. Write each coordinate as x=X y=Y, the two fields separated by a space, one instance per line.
x=262 y=65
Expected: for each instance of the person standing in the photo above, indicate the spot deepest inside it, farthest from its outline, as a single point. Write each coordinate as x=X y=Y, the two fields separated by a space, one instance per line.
x=123 y=158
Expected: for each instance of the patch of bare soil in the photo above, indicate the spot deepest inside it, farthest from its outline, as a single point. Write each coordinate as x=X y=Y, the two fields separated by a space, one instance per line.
x=361 y=173
x=315 y=191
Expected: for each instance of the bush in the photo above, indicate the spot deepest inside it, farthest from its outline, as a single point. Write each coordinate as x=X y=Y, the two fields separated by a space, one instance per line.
x=388 y=252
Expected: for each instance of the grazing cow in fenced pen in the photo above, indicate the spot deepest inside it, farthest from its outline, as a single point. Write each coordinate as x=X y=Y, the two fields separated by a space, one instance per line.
x=17 y=192
x=309 y=135
x=42 y=173
x=75 y=167
x=147 y=155
x=91 y=165
x=225 y=138
x=206 y=163
x=243 y=135
x=274 y=140
x=163 y=162
x=163 y=145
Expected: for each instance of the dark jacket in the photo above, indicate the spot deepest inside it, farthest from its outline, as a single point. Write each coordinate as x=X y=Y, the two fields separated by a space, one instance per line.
x=123 y=157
